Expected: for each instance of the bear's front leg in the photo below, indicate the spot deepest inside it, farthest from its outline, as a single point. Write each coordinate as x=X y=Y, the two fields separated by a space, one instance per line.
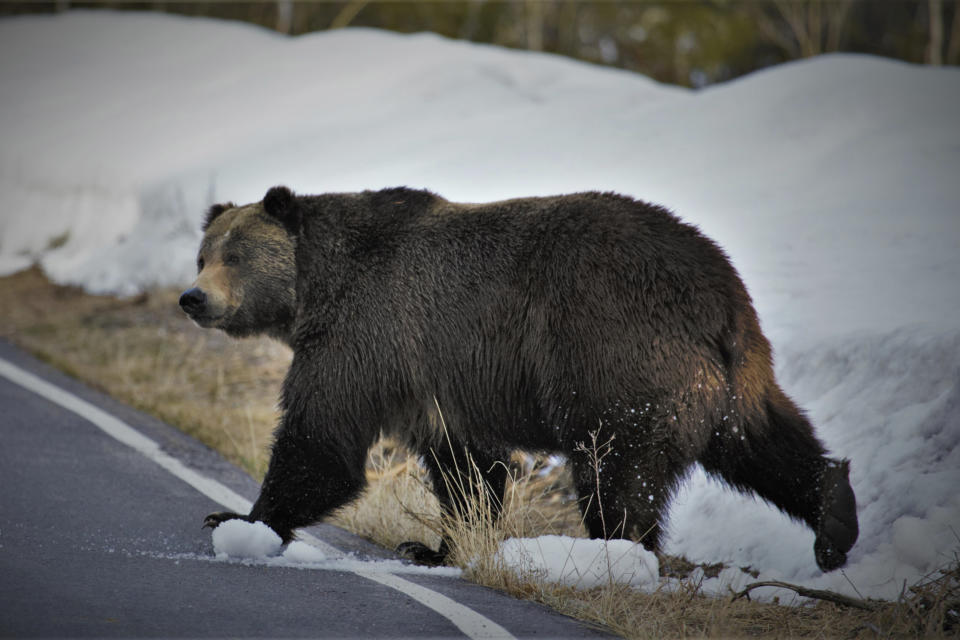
x=306 y=480
x=317 y=460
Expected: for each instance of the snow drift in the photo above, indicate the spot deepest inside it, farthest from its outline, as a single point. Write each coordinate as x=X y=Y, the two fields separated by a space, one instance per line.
x=831 y=182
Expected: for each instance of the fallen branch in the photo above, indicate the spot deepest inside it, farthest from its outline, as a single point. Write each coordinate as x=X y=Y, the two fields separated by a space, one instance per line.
x=819 y=594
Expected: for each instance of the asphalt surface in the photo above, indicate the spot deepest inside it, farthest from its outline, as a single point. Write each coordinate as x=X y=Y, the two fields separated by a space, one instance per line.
x=98 y=540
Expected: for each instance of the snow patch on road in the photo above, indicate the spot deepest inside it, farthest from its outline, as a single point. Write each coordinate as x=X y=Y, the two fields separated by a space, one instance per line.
x=241 y=539
x=256 y=543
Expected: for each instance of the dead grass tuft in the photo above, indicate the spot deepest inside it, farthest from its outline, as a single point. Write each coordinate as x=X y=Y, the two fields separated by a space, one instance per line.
x=398 y=505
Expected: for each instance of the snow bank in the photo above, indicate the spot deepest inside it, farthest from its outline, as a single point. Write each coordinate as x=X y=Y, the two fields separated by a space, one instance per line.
x=831 y=182
x=581 y=563
x=120 y=128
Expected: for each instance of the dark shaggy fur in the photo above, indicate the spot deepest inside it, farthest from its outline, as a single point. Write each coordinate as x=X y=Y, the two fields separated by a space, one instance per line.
x=531 y=323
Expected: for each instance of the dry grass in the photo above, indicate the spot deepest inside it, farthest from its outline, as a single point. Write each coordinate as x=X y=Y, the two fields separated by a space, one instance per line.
x=145 y=353
x=929 y=609
x=142 y=351
x=397 y=505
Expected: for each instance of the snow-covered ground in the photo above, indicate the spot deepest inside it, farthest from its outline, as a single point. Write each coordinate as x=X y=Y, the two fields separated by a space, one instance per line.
x=833 y=183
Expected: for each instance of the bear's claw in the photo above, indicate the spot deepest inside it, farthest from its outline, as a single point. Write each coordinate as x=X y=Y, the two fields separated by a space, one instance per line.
x=216 y=519
x=422 y=554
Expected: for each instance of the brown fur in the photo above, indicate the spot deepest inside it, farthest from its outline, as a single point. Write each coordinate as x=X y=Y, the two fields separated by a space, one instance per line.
x=245 y=256
x=534 y=323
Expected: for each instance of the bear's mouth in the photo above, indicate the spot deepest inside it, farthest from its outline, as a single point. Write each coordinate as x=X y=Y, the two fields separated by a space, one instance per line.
x=203 y=320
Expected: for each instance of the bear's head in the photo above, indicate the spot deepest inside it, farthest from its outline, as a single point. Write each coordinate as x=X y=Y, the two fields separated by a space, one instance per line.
x=246 y=268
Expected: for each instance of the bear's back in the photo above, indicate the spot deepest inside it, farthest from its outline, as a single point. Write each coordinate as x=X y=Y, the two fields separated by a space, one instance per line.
x=412 y=253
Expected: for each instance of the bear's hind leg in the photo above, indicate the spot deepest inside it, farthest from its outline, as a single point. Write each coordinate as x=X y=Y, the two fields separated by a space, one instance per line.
x=838 y=528
x=459 y=476
x=624 y=487
x=782 y=461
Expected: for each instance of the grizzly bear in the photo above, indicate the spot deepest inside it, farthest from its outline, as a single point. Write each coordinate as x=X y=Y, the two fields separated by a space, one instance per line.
x=528 y=324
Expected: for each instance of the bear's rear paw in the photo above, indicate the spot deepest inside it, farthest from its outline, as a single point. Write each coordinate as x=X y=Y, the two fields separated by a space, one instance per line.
x=838 y=528
x=422 y=554
x=828 y=556
x=216 y=519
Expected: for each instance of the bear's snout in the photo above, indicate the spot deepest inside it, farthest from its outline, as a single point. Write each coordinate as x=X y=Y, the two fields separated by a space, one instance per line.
x=193 y=301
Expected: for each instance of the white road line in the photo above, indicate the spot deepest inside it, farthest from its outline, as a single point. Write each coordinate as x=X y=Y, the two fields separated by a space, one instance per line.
x=471 y=623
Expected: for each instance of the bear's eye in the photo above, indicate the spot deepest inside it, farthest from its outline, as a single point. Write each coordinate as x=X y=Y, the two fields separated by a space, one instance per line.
x=232 y=259
x=199 y=264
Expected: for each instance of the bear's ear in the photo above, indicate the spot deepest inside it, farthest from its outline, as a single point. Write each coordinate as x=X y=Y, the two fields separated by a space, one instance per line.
x=280 y=203
x=214 y=211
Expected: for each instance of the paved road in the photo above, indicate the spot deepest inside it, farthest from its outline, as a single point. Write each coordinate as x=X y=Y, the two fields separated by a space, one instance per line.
x=100 y=539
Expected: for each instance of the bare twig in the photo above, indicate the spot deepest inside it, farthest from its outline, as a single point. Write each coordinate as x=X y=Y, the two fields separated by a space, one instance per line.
x=819 y=594
x=597 y=454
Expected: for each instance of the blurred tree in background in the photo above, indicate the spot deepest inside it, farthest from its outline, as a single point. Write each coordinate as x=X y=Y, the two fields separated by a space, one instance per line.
x=687 y=42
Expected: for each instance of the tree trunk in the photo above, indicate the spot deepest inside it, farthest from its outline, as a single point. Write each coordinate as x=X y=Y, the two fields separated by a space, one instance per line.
x=953 y=49
x=348 y=13
x=534 y=11
x=935 y=46
x=284 y=16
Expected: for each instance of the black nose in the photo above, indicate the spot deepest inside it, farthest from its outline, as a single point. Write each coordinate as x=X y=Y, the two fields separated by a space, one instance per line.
x=193 y=301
